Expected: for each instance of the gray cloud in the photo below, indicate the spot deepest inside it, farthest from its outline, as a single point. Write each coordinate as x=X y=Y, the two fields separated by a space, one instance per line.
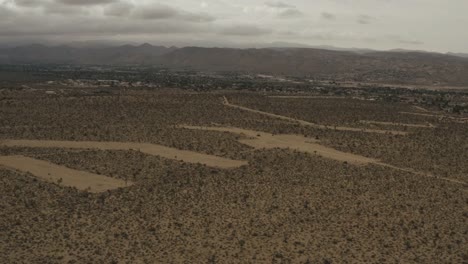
x=95 y=27
x=284 y=10
x=79 y=24
x=55 y=7
x=85 y=2
x=5 y=13
x=200 y=17
x=288 y=33
x=365 y=19
x=157 y=12
x=58 y=9
x=118 y=9
x=245 y=30
x=28 y=3
x=290 y=13
x=411 y=42
x=221 y=21
x=278 y=5
x=327 y=16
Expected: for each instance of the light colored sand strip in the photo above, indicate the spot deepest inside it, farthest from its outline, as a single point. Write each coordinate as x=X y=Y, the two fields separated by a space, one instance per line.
x=308 y=97
x=305 y=123
x=261 y=140
x=456 y=119
x=396 y=124
x=151 y=149
x=421 y=109
x=422 y=114
x=428 y=175
x=50 y=172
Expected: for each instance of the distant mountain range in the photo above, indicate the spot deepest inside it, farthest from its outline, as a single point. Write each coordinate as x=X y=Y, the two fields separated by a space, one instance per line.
x=463 y=55
x=126 y=54
x=360 y=65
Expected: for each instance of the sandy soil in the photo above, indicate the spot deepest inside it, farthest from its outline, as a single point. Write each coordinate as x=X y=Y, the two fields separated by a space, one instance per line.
x=62 y=175
x=151 y=149
x=307 y=97
x=455 y=119
x=262 y=140
x=305 y=123
x=397 y=124
x=422 y=114
x=421 y=109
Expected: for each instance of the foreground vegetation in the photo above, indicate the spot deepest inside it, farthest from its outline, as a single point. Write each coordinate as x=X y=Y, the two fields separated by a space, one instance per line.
x=285 y=206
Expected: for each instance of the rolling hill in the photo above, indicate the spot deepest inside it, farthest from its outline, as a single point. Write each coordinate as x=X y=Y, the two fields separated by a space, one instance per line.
x=374 y=66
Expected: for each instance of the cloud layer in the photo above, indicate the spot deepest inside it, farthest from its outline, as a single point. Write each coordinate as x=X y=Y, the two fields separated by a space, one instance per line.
x=380 y=24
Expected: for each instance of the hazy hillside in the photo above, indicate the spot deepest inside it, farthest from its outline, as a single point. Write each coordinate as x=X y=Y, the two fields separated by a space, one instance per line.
x=126 y=54
x=463 y=55
x=393 y=67
x=386 y=67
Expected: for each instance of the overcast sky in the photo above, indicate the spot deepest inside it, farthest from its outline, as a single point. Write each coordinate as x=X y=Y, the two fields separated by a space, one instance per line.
x=435 y=25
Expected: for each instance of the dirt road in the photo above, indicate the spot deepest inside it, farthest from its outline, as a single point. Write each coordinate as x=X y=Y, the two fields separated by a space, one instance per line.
x=306 y=123
x=454 y=119
x=397 y=124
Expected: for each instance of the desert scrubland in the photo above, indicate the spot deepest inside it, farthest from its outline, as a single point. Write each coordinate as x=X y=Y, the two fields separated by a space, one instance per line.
x=302 y=180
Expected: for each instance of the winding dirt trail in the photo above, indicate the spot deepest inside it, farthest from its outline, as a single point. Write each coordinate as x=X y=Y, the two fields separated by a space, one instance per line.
x=454 y=119
x=396 y=124
x=306 y=97
x=424 y=174
x=306 y=123
x=421 y=109
x=151 y=149
x=262 y=140
x=62 y=175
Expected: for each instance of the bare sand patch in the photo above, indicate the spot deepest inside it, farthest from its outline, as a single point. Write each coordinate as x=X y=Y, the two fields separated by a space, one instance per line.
x=396 y=124
x=261 y=140
x=422 y=114
x=306 y=123
x=455 y=119
x=307 y=97
x=62 y=175
x=421 y=109
x=151 y=149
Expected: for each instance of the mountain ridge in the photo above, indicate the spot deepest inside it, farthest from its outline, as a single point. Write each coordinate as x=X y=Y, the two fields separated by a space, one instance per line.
x=408 y=67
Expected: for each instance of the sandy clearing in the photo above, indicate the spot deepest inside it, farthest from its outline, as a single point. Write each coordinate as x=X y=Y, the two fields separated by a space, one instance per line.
x=261 y=140
x=307 y=97
x=50 y=172
x=422 y=114
x=305 y=123
x=456 y=119
x=396 y=124
x=151 y=149
x=421 y=109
